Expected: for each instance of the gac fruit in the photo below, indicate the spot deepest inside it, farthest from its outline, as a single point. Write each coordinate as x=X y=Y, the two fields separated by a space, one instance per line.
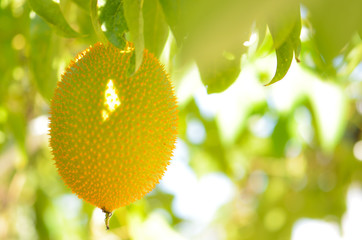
x=112 y=133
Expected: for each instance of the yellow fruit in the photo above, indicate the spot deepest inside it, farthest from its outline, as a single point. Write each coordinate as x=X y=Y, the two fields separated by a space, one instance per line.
x=112 y=135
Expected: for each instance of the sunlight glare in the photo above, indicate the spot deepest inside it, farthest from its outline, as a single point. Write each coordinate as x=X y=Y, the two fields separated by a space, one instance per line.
x=111 y=100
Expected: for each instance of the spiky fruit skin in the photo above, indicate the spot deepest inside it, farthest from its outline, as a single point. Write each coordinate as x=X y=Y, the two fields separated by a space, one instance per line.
x=115 y=161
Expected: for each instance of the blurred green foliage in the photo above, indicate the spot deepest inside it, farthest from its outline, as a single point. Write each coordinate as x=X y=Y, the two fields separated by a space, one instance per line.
x=289 y=149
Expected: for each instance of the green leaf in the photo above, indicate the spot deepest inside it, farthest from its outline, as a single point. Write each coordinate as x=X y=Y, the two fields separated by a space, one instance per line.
x=51 y=13
x=285 y=51
x=173 y=11
x=211 y=32
x=334 y=23
x=219 y=72
x=155 y=27
x=281 y=24
x=134 y=18
x=84 y=4
x=284 y=59
x=280 y=136
x=112 y=16
x=281 y=32
x=17 y=125
x=261 y=27
x=294 y=36
x=42 y=51
x=329 y=111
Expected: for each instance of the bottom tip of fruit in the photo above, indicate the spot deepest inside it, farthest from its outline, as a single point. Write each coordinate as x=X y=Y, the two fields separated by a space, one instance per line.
x=107 y=218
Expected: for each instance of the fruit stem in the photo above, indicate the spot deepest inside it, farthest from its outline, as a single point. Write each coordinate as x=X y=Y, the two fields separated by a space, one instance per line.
x=108 y=217
x=95 y=22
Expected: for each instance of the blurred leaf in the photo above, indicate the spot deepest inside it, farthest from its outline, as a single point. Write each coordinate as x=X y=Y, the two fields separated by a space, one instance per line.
x=282 y=24
x=10 y=26
x=265 y=47
x=174 y=12
x=334 y=23
x=330 y=111
x=17 y=125
x=280 y=137
x=281 y=32
x=285 y=51
x=50 y=11
x=41 y=205
x=354 y=58
x=113 y=17
x=134 y=18
x=261 y=28
x=219 y=73
x=5 y=81
x=162 y=200
x=284 y=59
x=208 y=155
x=85 y=24
x=155 y=27
x=213 y=39
x=84 y=4
x=42 y=55
x=295 y=39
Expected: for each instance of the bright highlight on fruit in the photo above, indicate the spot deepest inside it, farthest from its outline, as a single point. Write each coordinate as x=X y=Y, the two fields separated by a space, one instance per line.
x=111 y=100
x=111 y=134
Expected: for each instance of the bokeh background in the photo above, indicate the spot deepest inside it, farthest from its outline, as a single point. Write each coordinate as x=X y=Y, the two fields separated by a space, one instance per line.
x=252 y=162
